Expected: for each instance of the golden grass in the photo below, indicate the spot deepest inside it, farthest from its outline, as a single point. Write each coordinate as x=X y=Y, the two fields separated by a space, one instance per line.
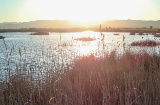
x=131 y=79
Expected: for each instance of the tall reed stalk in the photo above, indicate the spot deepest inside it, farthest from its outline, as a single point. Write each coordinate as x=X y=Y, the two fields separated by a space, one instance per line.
x=130 y=79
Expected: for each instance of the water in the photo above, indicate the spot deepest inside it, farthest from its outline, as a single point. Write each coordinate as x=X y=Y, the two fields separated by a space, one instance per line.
x=24 y=54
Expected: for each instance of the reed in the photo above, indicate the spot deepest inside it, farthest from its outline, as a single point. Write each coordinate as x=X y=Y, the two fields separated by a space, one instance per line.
x=65 y=44
x=145 y=43
x=130 y=79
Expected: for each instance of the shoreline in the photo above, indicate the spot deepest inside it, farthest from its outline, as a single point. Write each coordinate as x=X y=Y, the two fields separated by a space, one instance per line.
x=64 y=30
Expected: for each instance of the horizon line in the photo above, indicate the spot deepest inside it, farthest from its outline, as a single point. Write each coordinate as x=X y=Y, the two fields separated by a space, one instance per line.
x=76 y=20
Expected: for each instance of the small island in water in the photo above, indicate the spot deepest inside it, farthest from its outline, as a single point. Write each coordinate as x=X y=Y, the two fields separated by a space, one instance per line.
x=85 y=39
x=40 y=33
x=2 y=37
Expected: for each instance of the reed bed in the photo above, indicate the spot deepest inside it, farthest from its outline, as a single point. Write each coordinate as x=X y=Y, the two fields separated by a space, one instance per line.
x=145 y=43
x=130 y=79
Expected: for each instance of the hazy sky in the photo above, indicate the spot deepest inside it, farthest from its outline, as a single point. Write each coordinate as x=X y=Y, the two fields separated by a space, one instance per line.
x=80 y=10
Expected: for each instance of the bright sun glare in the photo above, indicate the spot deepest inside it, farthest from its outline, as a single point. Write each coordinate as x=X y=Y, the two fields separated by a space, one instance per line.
x=85 y=11
x=86 y=48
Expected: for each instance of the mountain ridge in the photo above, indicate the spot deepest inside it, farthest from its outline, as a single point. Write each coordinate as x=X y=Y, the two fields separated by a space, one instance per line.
x=75 y=24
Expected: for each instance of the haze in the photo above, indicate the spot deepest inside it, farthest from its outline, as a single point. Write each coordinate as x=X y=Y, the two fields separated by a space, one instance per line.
x=78 y=10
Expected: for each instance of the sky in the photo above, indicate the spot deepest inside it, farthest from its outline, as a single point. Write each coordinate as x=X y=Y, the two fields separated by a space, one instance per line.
x=78 y=10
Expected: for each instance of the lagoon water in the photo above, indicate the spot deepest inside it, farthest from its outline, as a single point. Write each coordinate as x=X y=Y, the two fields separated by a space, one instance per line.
x=23 y=53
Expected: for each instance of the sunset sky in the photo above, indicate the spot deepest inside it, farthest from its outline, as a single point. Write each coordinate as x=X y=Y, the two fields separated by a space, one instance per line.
x=79 y=10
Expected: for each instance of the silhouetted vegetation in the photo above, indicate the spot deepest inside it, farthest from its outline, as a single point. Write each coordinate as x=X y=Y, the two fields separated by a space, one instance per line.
x=85 y=39
x=116 y=34
x=40 y=33
x=2 y=37
x=132 y=33
x=145 y=43
x=157 y=35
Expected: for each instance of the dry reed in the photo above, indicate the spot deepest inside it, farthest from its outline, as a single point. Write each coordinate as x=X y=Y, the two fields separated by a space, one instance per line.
x=130 y=79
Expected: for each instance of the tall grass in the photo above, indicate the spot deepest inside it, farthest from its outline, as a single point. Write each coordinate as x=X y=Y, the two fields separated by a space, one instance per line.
x=130 y=79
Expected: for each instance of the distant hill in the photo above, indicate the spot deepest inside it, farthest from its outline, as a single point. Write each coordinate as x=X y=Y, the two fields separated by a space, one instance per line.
x=131 y=24
x=71 y=24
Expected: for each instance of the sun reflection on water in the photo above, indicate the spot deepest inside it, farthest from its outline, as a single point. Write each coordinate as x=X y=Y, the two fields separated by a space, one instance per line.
x=88 y=47
x=87 y=50
x=89 y=33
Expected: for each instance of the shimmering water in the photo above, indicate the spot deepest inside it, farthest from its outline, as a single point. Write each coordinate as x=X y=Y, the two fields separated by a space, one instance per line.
x=42 y=54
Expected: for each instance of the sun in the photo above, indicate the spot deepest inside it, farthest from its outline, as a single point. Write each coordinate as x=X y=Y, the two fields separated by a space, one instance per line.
x=84 y=11
x=79 y=10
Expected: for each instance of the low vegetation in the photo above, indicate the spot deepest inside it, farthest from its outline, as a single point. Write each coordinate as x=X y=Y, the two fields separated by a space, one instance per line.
x=130 y=79
x=2 y=37
x=157 y=35
x=40 y=33
x=85 y=39
x=145 y=43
